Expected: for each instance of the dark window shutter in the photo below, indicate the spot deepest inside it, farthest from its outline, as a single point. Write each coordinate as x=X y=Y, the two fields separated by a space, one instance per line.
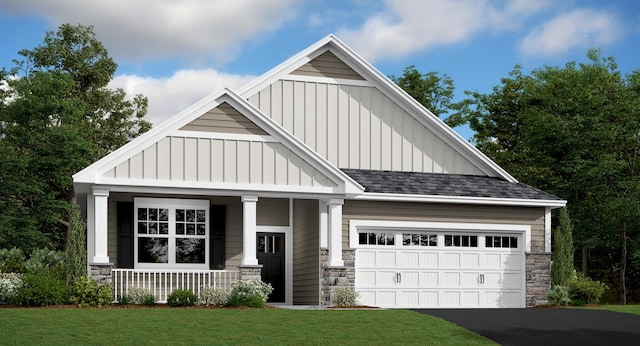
x=217 y=237
x=125 y=234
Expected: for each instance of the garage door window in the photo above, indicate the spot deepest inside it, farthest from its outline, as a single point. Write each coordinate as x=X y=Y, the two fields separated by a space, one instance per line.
x=451 y=240
x=501 y=242
x=375 y=238
x=417 y=239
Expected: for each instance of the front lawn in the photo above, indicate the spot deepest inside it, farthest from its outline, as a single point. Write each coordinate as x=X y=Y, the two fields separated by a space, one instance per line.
x=189 y=326
x=628 y=309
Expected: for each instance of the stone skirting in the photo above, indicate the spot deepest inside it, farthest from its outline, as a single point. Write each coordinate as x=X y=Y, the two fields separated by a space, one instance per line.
x=538 y=269
x=334 y=277
x=101 y=272
x=250 y=273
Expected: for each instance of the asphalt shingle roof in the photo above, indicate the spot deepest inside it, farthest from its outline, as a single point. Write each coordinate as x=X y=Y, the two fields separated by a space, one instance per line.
x=459 y=185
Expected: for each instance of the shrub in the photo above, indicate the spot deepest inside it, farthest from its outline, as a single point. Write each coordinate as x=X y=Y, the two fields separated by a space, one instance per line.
x=139 y=295
x=42 y=289
x=585 y=289
x=123 y=300
x=558 y=295
x=240 y=290
x=46 y=260
x=562 y=258
x=344 y=296
x=215 y=296
x=76 y=255
x=181 y=298
x=87 y=292
x=10 y=283
x=253 y=301
x=12 y=260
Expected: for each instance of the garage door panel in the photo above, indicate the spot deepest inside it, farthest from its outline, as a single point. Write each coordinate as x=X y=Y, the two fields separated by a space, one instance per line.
x=470 y=279
x=410 y=278
x=450 y=298
x=450 y=260
x=450 y=279
x=469 y=298
x=512 y=261
x=511 y=280
x=429 y=259
x=429 y=279
x=409 y=259
x=492 y=261
x=366 y=258
x=366 y=278
x=470 y=260
x=386 y=298
x=387 y=259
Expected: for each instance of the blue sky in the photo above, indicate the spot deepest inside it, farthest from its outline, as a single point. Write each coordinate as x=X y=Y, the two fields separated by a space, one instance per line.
x=176 y=52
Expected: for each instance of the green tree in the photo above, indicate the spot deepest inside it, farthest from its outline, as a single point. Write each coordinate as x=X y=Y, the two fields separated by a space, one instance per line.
x=57 y=115
x=562 y=258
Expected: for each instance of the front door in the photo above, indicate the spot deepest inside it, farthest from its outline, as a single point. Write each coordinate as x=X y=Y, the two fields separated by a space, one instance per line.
x=271 y=256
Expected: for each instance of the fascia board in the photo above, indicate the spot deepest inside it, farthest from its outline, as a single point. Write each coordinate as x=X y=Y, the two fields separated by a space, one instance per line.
x=461 y=200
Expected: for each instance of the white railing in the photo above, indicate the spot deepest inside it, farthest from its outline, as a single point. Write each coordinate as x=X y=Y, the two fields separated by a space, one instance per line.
x=162 y=282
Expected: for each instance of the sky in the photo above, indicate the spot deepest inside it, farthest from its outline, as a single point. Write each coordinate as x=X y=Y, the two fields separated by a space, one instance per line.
x=176 y=52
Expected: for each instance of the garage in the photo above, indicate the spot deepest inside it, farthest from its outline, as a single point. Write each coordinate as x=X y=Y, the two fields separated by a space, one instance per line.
x=429 y=265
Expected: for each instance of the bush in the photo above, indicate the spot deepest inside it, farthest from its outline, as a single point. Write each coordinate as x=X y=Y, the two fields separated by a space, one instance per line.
x=213 y=296
x=181 y=298
x=253 y=301
x=10 y=283
x=12 y=261
x=46 y=260
x=344 y=296
x=558 y=295
x=585 y=289
x=76 y=255
x=42 y=289
x=141 y=296
x=123 y=300
x=87 y=292
x=240 y=290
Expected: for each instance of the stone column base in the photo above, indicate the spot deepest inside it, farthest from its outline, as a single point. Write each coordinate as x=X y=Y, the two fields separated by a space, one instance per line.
x=538 y=269
x=334 y=277
x=250 y=273
x=101 y=272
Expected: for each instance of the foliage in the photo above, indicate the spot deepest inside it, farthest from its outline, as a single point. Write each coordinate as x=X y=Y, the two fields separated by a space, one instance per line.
x=254 y=301
x=141 y=296
x=562 y=258
x=87 y=292
x=345 y=296
x=212 y=296
x=12 y=261
x=585 y=289
x=240 y=290
x=46 y=260
x=181 y=298
x=10 y=283
x=57 y=116
x=123 y=300
x=558 y=295
x=76 y=254
x=42 y=288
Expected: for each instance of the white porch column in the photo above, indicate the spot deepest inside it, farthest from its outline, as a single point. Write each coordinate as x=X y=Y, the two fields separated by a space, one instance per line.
x=249 y=230
x=335 y=232
x=324 y=224
x=547 y=229
x=100 y=199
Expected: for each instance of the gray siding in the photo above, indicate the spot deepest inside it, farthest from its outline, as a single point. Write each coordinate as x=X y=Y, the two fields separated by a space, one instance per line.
x=399 y=211
x=306 y=253
x=327 y=65
x=358 y=127
x=272 y=212
x=226 y=119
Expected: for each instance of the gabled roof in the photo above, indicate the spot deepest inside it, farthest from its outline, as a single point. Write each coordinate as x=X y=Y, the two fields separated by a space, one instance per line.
x=454 y=187
x=374 y=77
x=95 y=173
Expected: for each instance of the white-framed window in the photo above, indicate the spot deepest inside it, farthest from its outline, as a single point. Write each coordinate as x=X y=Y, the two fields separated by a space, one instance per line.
x=171 y=233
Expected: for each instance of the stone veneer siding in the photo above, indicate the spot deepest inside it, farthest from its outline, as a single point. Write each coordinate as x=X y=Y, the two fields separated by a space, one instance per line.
x=101 y=272
x=334 y=277
x=538 y=271
x=249 y=273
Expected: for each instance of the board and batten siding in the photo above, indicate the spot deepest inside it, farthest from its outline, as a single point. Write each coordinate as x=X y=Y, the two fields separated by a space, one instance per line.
x=306 y=252
x=327 y=65
x=220 y=160
x=358 y=127
x=407 y=211
x=224 y=119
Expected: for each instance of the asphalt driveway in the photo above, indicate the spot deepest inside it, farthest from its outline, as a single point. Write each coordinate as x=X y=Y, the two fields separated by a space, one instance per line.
x=546 y=326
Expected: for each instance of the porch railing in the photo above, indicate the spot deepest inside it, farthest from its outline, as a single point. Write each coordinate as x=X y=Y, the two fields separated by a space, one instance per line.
x=162 y=282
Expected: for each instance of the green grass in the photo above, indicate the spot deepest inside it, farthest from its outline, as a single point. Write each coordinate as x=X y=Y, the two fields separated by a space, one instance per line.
x=188 y=326
x=627 y=309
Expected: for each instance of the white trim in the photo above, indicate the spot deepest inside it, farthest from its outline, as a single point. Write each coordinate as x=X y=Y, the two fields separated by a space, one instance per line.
x=100 y=199
x=326 y=80
x=249 y=204
x=323 y=223
x=547 y=229
x=335 y=232
x=374 y=225
x=460 y=199
x=240 y=188
x=220 y=135
x=288 y=257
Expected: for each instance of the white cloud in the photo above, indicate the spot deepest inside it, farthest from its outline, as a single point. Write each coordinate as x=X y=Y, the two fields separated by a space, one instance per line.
x=168 y=96
x=581 y=28
x=197 y=29
x=407 y=26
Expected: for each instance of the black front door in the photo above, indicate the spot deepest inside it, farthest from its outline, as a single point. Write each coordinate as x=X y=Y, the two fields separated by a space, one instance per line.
x=271 y=255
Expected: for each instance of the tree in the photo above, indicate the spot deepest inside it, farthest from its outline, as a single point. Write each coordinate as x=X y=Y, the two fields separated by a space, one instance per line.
x=56 y=117
x=562 y=258
x=432 y=91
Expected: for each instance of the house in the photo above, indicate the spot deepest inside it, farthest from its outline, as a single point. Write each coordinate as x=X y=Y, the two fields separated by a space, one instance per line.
x=322 y=173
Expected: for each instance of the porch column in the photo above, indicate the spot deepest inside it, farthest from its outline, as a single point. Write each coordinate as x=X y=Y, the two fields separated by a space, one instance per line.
x=249 y=230
x=324 y=224
x=100 y=225
x=335 y=232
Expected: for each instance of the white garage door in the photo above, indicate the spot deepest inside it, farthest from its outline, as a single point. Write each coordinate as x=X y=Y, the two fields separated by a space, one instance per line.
x=440 y=269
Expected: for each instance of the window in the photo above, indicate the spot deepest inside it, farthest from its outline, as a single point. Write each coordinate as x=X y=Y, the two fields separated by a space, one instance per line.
x=501 y=242
x=171 y=232
x=417 y=239
x=376 y=238
x=460 y=240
